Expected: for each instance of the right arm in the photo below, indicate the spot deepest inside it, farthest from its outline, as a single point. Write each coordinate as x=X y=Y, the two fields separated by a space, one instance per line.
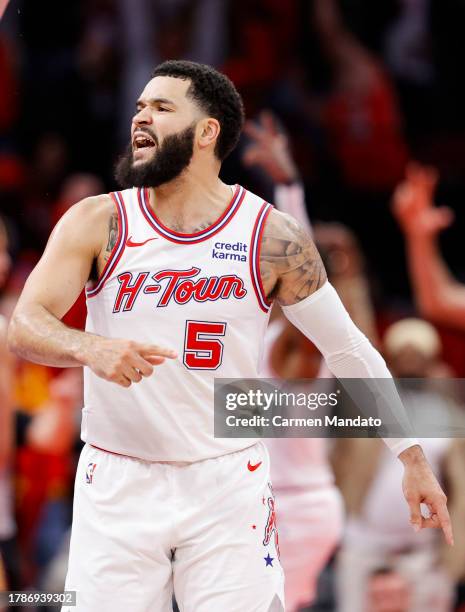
x=439 y=296
x=36 y=333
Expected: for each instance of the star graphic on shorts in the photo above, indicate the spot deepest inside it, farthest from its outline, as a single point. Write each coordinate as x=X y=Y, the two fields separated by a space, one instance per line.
x=268 y=560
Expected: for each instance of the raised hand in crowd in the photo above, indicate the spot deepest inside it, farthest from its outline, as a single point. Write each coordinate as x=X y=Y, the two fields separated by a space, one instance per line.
x=413 y=203
x=269 y=149
x=438 y=295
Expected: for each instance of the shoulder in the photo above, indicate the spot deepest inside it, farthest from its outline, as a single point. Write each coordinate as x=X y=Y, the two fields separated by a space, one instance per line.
x=283 y=225
x=89 y=210
x=89 y=213
x=283 y=234
x=86 y=223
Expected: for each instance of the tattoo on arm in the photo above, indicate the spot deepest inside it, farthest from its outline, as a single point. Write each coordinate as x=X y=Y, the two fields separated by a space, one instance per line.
x=112 y=235
x=290 y=265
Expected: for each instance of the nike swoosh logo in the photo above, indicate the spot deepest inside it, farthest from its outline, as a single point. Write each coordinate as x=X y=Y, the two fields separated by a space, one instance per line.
x=130 y=243
x=252 y=468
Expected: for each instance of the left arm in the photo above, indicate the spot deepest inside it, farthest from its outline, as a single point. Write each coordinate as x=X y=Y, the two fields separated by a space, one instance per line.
x=310 y=302
x=293 y=274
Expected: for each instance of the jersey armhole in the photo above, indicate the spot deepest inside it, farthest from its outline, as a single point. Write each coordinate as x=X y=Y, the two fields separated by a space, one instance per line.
x=118 y=248
x=254 y=261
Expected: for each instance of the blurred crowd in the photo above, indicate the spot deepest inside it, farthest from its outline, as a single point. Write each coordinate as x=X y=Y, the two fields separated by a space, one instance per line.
x=356 y=127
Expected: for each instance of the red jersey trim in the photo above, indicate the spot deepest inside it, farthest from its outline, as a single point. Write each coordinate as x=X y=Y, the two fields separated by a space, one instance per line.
x=117 y=250
x=254 y=262
x=112 y=452
x=196 y=237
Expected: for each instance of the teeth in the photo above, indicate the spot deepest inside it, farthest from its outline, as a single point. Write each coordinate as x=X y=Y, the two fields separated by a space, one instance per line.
x=142 y=141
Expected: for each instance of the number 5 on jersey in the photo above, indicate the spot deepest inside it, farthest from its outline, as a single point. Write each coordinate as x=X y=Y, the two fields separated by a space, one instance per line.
x=202 y=349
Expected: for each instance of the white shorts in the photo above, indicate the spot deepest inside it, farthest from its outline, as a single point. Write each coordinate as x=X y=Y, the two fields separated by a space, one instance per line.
x=206 y=531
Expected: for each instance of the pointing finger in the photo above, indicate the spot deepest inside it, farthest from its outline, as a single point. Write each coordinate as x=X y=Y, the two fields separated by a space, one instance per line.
x=444 y=520
x=154 y=359
x=416 y=520
x=154 y=350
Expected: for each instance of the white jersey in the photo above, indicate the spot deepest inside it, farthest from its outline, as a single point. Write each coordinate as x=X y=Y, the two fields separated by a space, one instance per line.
x=199 y=294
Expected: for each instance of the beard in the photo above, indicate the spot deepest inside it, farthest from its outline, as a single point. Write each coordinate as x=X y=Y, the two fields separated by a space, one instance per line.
x=167 y=163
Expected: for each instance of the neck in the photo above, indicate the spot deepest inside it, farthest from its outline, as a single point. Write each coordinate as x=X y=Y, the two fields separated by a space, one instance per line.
x=191 y=202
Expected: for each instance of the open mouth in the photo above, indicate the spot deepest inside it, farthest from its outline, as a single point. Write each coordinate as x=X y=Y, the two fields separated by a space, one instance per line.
x=142 y=141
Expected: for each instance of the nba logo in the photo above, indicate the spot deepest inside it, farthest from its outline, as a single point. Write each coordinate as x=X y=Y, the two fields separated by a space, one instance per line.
x=90 y=472
x=271 y=527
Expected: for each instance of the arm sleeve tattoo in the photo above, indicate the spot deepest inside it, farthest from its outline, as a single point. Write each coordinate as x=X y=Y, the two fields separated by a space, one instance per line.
x=290 y=265
x=112 y=235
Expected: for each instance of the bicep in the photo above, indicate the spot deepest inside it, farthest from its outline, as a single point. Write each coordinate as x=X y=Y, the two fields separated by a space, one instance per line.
x=290 y=255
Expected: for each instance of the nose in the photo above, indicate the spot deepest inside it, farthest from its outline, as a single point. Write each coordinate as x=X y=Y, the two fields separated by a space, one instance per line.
x=142 y=117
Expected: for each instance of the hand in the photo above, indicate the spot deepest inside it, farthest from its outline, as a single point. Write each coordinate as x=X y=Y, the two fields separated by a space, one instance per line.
x=413 y=203
x=123 y=361
x=269 y=149
x=420 y=486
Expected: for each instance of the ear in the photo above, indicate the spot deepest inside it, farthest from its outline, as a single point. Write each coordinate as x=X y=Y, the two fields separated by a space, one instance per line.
x=208 y=131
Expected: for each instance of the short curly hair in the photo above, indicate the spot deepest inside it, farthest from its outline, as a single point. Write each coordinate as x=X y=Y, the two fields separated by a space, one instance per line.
x=216 y=96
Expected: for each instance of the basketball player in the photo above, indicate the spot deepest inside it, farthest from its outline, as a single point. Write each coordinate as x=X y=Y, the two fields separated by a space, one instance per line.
x=180 y=271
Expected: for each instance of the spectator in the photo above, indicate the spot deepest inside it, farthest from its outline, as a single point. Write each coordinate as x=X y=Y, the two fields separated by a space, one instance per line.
x=439 y=296
x=360 y=114
x=166 y=29
x=413 y=347
x=388 y=591
x=261 y=36
x=75 y=187
x=363 y=152
x=377 y=534
x=41 y=452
